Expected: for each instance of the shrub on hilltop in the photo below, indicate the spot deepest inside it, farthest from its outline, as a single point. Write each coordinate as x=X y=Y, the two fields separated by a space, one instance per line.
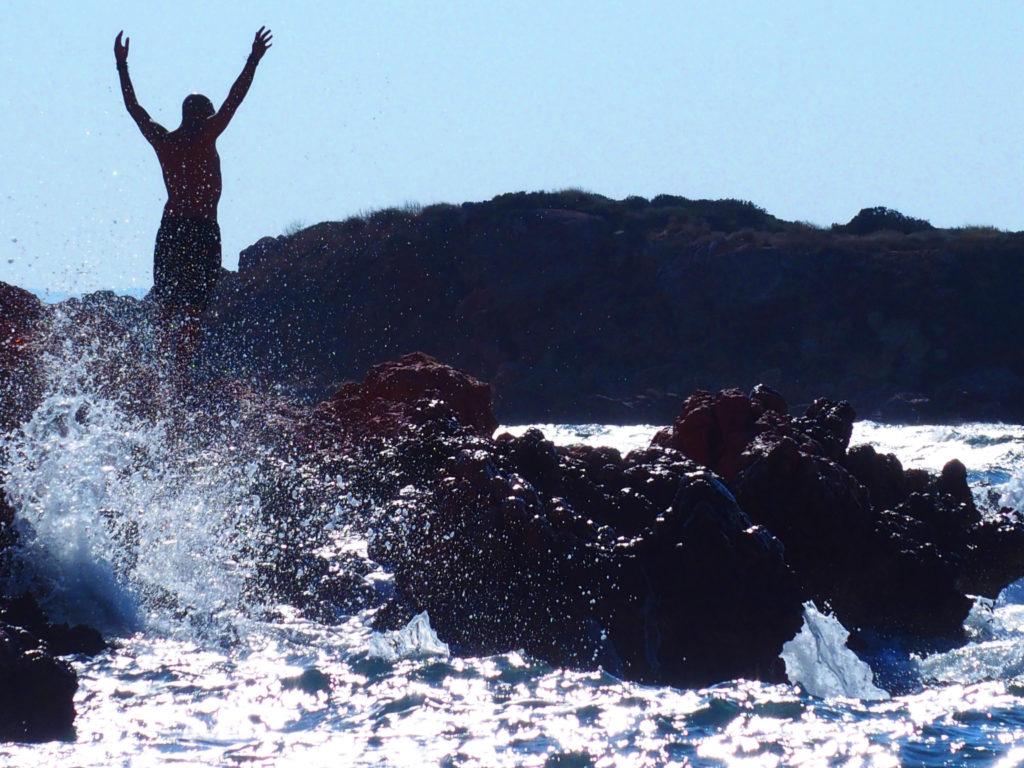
x=882 y=219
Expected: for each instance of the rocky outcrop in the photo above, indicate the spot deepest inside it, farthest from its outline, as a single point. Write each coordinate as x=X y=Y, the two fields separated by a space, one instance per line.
x=891 y=551
x=384 y=403
x=38 y=689
x=577 y=308
x=20 y=316
x=60 y=638
x=644 y=564
x=685 y=563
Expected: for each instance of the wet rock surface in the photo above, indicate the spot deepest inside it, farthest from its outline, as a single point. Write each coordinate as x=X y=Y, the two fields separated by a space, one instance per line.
x=891 y=551
x=21 y=314
x=685 y=563
x=37 y=689
x=643 y=564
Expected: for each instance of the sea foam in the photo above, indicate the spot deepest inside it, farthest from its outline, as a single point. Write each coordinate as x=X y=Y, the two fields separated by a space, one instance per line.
x=416 y=640
x=818 y=660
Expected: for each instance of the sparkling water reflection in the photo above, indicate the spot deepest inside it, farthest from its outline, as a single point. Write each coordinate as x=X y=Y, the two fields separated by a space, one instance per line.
x=158 y=701
x=237 y=684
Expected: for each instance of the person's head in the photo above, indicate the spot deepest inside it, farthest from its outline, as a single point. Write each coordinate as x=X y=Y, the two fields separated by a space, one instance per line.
x=195 y=109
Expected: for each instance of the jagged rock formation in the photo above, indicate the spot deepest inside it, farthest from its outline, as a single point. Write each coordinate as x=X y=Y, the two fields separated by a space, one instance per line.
x=685 y=563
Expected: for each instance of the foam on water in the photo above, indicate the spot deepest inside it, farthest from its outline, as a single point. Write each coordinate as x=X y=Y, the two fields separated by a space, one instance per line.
x=622 y=438
x=417 y=640
x=818 y=660
x=996 y=647
x=989 y=451
x=1012 y=493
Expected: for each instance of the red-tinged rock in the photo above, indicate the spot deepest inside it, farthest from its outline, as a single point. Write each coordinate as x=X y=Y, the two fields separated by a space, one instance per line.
x=712 y=430
x=417 y=375
x=398 y=394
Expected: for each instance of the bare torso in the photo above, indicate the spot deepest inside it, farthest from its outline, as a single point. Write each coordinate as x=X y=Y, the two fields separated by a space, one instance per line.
x=188 y=155
x=191 y=169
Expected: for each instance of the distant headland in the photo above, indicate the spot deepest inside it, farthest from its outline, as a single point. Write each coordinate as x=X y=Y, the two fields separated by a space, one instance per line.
x=577 y=307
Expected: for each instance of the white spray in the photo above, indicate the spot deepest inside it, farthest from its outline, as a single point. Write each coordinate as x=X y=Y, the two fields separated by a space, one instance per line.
x=126 y=517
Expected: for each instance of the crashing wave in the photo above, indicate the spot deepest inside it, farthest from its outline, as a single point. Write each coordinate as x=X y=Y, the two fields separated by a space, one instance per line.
x=818 y=660
x=416 y=640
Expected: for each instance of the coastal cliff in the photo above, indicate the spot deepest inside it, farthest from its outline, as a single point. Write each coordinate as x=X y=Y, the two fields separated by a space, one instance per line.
x=580 y=308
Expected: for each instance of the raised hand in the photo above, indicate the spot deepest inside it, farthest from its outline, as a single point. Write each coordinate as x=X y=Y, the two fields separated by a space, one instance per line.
x=261 y=43
x=121 y=49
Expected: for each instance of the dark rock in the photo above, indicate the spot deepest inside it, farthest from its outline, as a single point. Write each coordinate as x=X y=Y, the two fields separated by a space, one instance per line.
x=818 y=510
x=61 y=639
x=578 y=308
x=764 y=398
x=644 y=564
x=994 y=556
x=830 y=425
x=36 y=690
x=891 y=551
x=882 y=475
x=21 y=314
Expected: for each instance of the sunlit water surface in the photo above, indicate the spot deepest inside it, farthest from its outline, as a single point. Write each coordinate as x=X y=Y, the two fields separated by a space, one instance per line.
x=201 y=675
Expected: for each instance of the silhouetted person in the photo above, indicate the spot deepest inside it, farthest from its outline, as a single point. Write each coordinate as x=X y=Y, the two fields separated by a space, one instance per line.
x=187 y=257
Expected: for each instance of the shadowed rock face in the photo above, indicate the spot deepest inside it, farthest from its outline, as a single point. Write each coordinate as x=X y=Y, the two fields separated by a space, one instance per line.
x=37 y=704
x=643 y=564
x=891 y=551
x=580 y=309
x=685 y=563
x=36 y=688
x=20 y=315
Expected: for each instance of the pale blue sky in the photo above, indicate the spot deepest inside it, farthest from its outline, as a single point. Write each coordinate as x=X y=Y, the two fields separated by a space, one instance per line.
x=812 y=110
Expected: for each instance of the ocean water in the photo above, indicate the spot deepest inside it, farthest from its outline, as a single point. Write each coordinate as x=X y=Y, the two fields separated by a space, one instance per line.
x=145 y=529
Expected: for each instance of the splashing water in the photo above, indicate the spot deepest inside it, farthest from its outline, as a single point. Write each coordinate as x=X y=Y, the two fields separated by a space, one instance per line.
x=416 y=641
x=125 y=521
x=134 y=516
x=818 y=659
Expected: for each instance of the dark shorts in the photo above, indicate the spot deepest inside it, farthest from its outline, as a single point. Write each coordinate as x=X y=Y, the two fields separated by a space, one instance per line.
x=186 y=262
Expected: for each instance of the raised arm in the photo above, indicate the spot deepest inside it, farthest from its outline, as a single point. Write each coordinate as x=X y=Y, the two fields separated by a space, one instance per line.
x=151 y=129
x=220 y=120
